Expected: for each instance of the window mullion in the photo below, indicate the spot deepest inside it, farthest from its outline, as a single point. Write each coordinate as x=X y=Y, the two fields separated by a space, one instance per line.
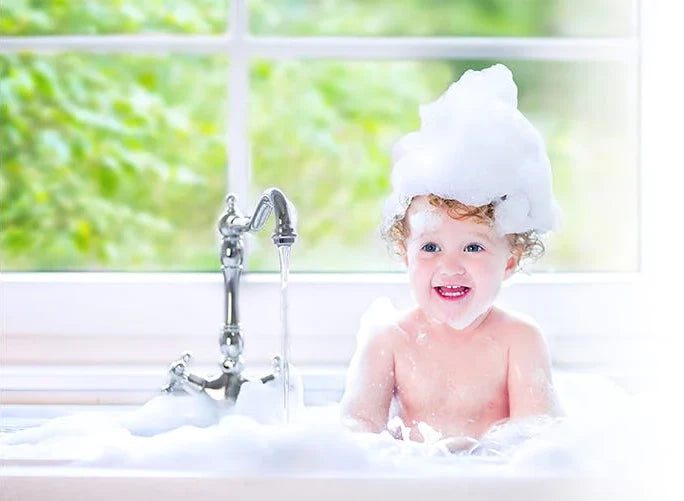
x=338 y=47
x=392 y=48
x=238 y=108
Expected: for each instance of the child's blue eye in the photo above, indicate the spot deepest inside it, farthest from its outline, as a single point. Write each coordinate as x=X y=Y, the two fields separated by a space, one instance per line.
x=430 y=247
x=475 y=246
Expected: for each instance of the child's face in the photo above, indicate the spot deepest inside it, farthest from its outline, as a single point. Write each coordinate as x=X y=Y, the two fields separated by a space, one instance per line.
x=443 y=254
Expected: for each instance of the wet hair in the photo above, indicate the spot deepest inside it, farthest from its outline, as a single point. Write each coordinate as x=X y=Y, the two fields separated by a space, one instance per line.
x=527 y=246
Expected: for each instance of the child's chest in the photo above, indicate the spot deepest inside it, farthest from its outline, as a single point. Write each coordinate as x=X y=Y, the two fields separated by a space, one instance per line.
x=456 y=379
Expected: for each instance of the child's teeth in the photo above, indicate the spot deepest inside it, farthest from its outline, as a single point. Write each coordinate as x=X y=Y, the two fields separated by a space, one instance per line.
x=453 y=290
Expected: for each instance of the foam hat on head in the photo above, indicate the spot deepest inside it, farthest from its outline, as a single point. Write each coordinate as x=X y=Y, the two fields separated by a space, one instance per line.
x=474 y=146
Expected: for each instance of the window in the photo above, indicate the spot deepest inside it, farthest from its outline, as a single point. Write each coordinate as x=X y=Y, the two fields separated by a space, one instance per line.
x=124 y=124
x=120 y=117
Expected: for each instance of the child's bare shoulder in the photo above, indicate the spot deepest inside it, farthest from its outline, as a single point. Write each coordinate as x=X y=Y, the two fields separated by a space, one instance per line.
x=516 y=328
x=380 y=324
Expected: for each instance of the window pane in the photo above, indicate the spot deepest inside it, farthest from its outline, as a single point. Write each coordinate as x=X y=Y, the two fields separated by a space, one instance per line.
x=322 y=131
x=49 y=17
x=111 y=162
x=579 y=18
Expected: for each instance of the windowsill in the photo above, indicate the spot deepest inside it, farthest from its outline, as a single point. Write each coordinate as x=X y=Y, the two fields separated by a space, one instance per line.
x=151 y=318
x=549 y=277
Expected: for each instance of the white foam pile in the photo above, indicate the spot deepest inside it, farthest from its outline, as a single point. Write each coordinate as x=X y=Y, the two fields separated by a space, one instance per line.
x=193 y=433
x=474 y=146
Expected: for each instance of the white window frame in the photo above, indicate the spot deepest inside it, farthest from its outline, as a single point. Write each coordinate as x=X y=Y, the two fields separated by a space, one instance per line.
x=147 y=319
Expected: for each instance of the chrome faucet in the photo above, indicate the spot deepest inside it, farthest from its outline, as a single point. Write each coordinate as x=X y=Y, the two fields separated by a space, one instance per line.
x=232 y=226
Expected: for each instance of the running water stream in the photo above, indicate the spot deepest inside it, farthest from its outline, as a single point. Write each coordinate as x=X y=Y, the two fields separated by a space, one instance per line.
x=284 y=255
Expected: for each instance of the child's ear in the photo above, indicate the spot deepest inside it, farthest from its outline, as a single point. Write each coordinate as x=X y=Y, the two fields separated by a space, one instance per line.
x=401 y=249
x=511 y=265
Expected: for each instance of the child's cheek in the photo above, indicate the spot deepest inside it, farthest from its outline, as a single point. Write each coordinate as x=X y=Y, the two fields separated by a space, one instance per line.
x=421 y=267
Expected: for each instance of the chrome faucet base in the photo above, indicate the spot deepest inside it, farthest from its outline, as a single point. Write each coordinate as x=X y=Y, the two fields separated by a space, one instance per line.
x=230 y=380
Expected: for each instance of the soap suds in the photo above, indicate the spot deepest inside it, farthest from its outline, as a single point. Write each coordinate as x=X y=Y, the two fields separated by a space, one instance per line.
x=474 y=146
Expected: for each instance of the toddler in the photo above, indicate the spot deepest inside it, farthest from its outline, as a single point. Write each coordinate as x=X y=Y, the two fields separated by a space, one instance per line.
x=471 y=196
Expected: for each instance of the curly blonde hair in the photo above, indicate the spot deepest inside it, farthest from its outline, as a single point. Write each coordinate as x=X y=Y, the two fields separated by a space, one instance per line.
x=526 y=246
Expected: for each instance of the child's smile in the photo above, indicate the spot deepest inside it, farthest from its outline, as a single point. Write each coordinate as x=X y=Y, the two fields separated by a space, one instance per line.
x=452 y=292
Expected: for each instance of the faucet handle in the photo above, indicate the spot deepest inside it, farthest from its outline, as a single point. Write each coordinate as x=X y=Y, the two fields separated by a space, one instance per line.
x=178 y=373
x=180 y=367
x=276 y=366
x=232 y=222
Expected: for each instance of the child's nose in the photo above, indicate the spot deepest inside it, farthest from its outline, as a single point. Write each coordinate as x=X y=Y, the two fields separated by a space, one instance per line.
x=453 y=266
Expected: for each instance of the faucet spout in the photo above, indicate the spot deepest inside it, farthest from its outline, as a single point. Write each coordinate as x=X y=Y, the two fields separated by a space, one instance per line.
x=232 y=225
x=273 y=200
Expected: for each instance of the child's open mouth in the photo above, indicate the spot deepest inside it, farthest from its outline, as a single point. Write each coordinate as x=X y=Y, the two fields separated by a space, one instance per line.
x=452 y=292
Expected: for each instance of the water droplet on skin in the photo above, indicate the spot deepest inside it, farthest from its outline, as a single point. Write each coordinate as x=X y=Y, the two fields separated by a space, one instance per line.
x=421 y=338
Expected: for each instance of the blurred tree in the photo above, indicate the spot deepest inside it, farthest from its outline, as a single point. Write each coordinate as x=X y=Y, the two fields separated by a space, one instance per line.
x=100 y=156
x=58 y=17
x=118 y=162
x=580 y=18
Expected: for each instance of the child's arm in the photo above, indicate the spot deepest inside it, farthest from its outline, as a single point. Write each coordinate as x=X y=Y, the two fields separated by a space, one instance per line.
x=530 y=388
x=370 y=382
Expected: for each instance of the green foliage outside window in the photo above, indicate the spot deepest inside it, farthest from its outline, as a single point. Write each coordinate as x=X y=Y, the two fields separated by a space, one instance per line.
x=58 y=17
x=118 y=161
x=492 y=18
x=110 y=162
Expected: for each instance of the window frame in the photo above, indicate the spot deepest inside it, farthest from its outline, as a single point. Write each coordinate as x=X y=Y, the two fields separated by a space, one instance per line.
x=65 y=319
